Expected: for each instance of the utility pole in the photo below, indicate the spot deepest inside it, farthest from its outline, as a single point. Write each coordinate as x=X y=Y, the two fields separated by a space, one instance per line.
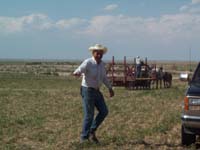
x=190 y=60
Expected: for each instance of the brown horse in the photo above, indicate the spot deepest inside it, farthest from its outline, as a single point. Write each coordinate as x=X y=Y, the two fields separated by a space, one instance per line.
x=167 y=79
x=162 y=78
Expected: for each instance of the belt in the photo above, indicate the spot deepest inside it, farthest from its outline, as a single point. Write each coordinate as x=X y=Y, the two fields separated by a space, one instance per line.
x=92 y=88
x=97 y=89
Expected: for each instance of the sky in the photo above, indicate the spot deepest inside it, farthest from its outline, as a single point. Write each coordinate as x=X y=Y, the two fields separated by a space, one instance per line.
x=65 y=29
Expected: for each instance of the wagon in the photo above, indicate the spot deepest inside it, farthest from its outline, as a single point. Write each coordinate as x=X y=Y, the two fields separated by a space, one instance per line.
x=124 y=74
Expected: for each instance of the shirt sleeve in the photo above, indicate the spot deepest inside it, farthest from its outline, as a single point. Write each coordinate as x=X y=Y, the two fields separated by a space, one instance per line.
x=82 y=68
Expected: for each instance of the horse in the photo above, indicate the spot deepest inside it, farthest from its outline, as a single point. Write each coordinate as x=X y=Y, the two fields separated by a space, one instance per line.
x=162 y=78
x=167 y=79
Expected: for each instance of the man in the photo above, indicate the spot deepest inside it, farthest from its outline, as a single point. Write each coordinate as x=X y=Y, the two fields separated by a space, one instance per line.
x=94 y=74
x=138 y=66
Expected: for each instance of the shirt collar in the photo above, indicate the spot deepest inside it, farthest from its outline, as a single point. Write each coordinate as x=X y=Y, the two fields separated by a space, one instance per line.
x=95 y=60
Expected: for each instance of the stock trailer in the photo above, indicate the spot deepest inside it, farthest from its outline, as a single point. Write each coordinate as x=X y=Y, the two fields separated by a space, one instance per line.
x=126 y=74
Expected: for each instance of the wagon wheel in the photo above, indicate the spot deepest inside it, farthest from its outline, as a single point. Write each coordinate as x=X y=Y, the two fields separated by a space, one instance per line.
x=130 y=72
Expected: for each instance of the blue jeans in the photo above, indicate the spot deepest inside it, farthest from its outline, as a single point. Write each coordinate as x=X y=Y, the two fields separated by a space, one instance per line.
x=92 y=98
x=138 y=70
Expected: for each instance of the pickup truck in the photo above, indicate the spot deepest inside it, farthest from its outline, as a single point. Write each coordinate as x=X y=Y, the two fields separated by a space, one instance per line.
x=190 y=117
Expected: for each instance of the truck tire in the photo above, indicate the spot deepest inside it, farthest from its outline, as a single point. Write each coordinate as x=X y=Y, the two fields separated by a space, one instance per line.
x=187 y=139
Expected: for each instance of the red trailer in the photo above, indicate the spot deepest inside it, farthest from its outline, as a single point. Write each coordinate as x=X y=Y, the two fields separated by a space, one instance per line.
x=124 y=74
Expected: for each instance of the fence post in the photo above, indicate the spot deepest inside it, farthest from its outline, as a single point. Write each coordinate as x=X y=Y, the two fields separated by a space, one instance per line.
x=113 y=62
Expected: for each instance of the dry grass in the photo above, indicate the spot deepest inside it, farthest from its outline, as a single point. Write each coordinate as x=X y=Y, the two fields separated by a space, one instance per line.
x=45 y=112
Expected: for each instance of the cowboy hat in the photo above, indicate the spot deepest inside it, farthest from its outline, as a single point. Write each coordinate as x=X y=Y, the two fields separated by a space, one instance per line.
x=98 y=47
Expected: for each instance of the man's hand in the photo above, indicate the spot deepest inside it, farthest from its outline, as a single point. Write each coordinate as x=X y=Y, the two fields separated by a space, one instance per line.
x=111 y=92
x=76 y=74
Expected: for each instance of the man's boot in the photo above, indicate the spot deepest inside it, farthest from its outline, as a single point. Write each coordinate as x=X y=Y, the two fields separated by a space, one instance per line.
x=94 y=138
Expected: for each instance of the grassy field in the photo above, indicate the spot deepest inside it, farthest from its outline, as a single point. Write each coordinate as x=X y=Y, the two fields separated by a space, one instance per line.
x=45 y=113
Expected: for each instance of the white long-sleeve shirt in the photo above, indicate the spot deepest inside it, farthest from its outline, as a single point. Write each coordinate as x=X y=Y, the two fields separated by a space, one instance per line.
x=138 y=61
x=93 y=74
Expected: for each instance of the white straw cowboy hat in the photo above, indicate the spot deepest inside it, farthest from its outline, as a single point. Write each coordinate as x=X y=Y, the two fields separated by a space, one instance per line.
x=98 y=47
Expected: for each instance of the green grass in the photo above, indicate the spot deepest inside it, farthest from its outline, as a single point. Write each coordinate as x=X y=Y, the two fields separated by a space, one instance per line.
x=45 y=112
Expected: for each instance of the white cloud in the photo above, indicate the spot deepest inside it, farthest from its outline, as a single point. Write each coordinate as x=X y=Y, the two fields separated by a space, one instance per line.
x=184 y=8
x=167 y=28
x=165 y=31
x=17 y=24
x=111 y=7
x=10 y=24
x=36 y=22
x=193 y=7
x=194 y=10
x=195 y=1
x=73 y=22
